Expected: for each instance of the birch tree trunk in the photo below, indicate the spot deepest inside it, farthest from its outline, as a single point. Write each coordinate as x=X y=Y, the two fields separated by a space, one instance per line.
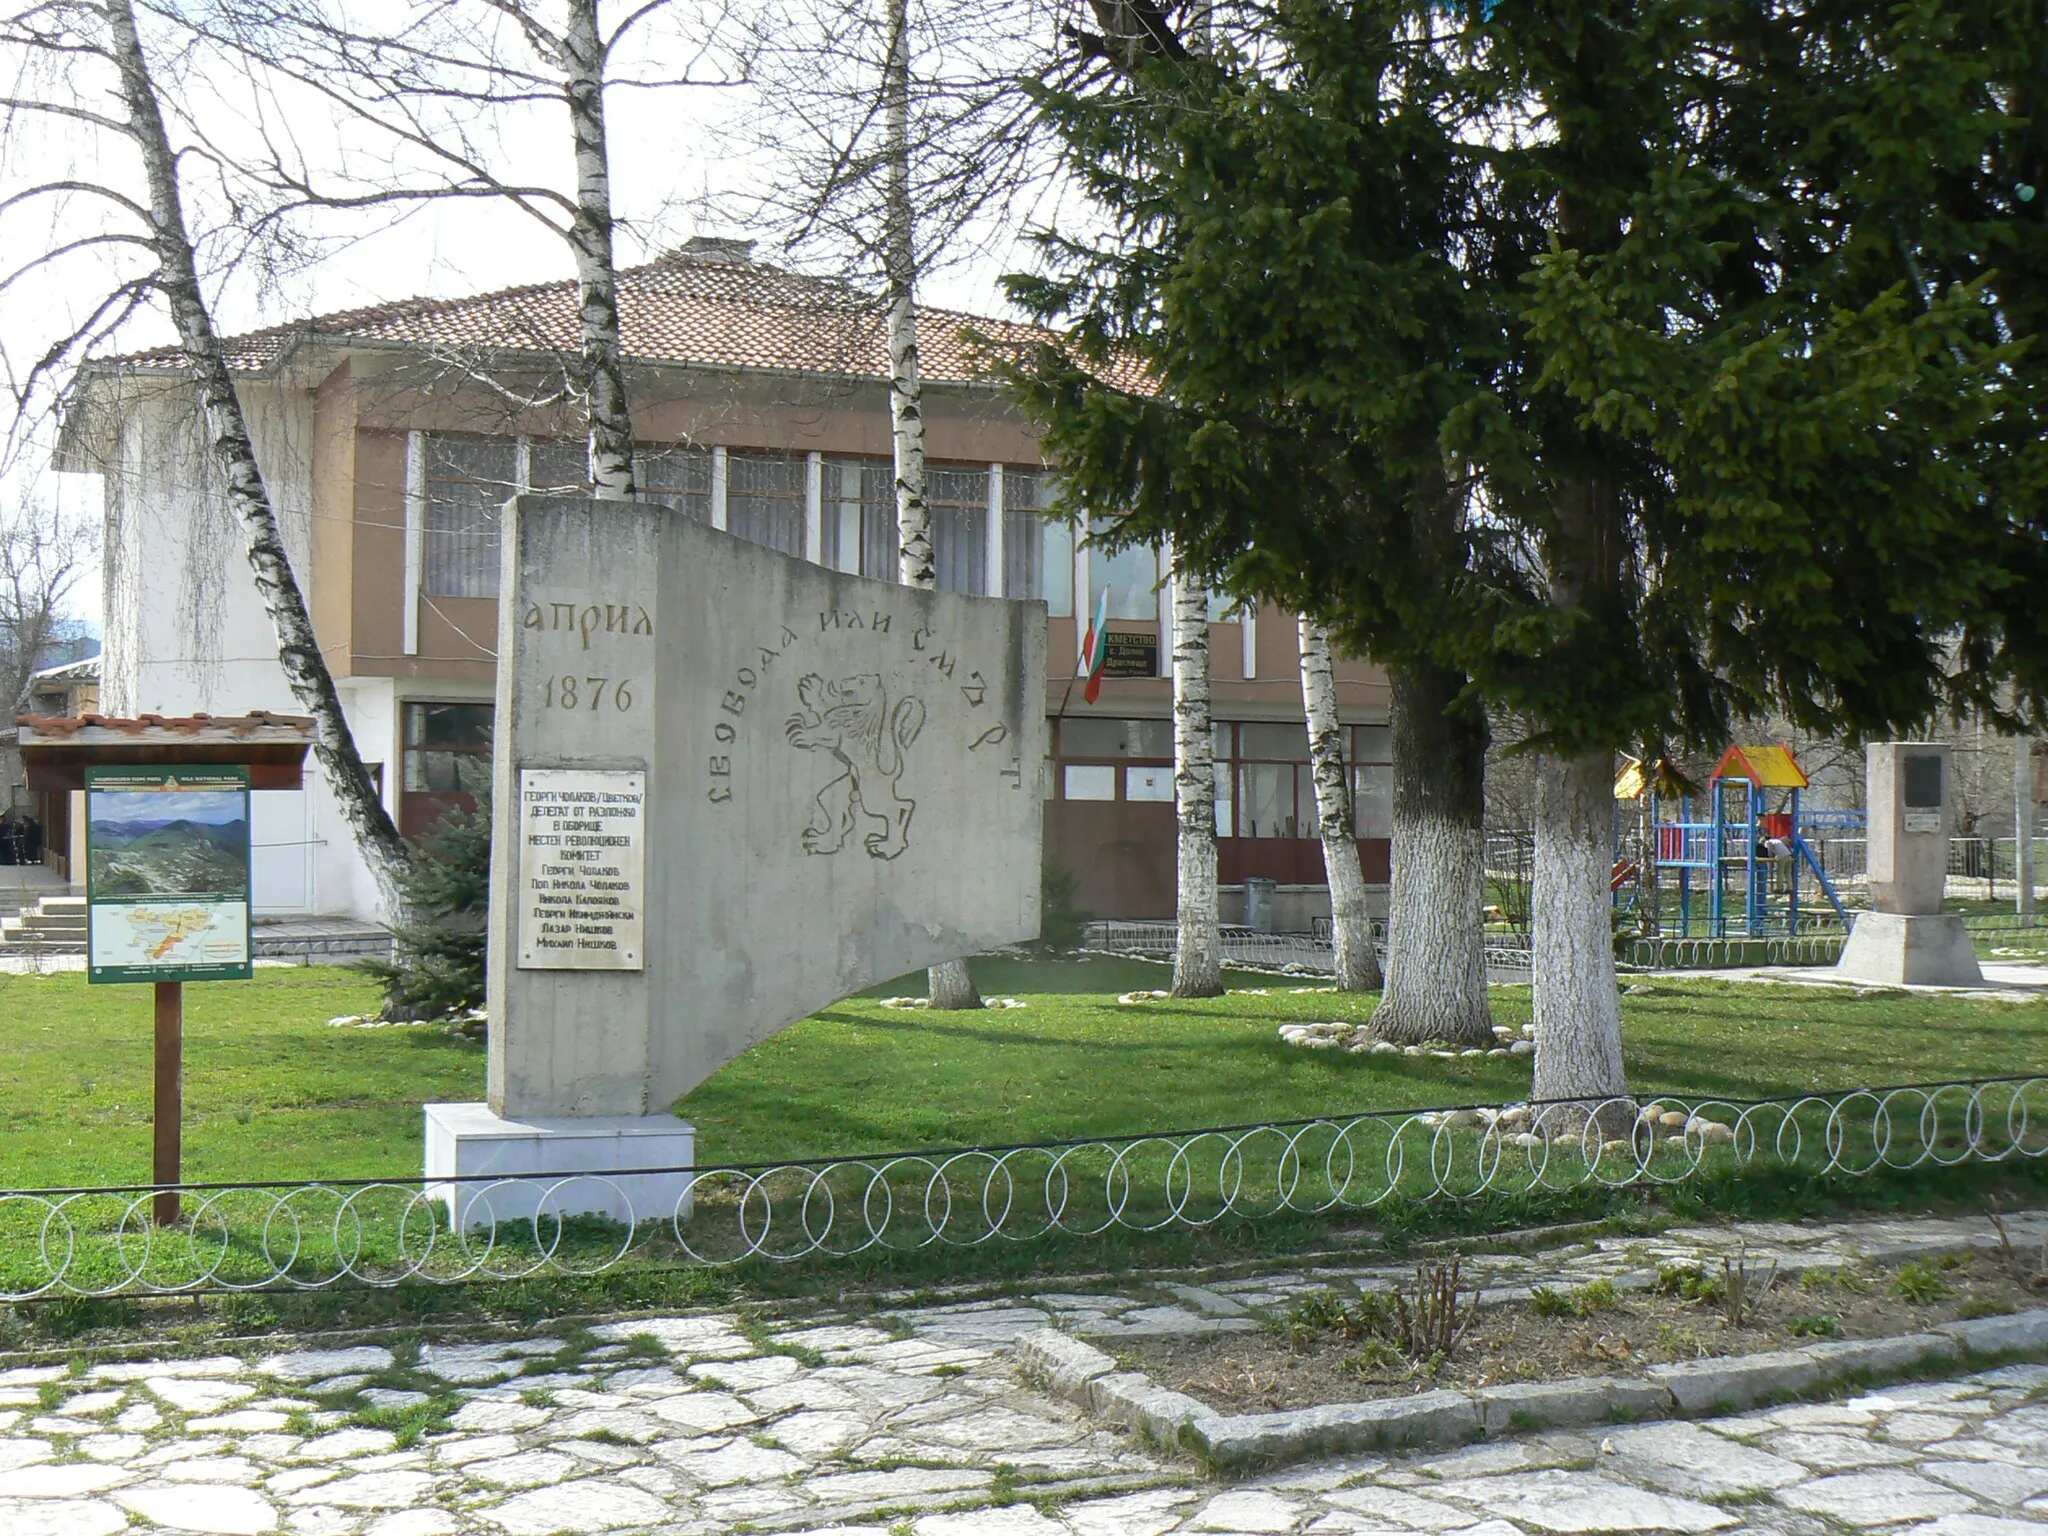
x=1358 y=960
x=951 y=984
x=590 y=239
x=1198 y=952
x=1436 y=936
x=1578 y=1006
x=298 y=650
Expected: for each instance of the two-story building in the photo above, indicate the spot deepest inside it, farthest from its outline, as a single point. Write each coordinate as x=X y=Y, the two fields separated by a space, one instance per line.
x=391 y=436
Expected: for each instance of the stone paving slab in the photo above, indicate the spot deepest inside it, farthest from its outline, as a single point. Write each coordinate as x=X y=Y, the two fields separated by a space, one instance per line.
x=696 y=1424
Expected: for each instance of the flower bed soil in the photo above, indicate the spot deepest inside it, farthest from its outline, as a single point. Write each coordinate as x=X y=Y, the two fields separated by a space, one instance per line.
x=1303 y=1365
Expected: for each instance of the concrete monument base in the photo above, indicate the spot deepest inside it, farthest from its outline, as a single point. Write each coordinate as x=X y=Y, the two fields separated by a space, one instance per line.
x=1927 y=951
x=565 y=1167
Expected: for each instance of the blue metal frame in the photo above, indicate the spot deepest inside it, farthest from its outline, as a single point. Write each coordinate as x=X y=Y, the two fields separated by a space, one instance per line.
x=1721 y=842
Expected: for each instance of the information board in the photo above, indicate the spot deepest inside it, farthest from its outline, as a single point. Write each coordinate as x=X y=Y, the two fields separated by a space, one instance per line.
x=581 y=869
x=167 y=873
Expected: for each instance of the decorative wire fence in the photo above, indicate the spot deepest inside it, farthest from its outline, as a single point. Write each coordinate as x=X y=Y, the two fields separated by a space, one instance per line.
x=1818 y=943
x=1289 y=954
x=1244 y=948
x=313 y=1236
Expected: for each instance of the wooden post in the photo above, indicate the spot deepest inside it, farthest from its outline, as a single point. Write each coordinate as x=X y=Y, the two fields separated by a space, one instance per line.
x=170 y=1097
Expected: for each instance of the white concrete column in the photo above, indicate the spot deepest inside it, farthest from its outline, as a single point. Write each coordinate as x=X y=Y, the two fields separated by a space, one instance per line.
x=415 y=535
x=522 y=461
x=994 y=579
x=1162 y=561
x=1248 y=630
x=848 y=513
x=1084 y=600
x=814 y=508
x=718 y=487
x=2023 y=827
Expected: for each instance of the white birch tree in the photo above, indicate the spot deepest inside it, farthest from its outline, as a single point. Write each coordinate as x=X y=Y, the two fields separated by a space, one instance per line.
x=897 y=137
x=84 y=66
x=950 y=983
x=1357 y=957
x=1198 y=952
x=440 y=90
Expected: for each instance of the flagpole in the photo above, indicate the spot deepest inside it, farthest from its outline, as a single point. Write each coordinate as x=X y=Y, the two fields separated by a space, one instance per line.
x=1097 y=634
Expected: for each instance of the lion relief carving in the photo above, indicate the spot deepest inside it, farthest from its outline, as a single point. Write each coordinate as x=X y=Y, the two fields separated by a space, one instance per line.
x=851 y=720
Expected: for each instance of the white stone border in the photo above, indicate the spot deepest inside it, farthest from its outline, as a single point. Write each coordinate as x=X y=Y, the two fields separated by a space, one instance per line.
x=1088 y=1377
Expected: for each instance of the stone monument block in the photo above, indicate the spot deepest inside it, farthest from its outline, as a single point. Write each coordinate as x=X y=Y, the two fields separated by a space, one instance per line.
x=730 y=788
x=1907 y=939
x=1906 y=784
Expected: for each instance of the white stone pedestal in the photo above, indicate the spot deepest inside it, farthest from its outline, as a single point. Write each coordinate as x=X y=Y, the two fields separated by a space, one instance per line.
x=566 y=1167
x=1897 y=950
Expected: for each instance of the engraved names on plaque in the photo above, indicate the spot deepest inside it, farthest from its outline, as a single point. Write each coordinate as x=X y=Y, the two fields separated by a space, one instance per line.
x=581 y=869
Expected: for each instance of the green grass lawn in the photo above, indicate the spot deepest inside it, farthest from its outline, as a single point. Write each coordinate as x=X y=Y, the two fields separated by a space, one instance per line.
x=273 y=1092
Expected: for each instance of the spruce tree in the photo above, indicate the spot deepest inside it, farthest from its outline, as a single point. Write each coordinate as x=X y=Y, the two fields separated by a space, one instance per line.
x=436 y=970
x=1574 y=352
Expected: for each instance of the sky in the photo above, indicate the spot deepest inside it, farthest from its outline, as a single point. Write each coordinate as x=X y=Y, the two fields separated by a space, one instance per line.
x=681 y=165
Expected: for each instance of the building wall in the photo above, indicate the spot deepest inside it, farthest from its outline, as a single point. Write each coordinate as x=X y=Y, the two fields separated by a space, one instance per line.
x=343 y=453
x=186 y=632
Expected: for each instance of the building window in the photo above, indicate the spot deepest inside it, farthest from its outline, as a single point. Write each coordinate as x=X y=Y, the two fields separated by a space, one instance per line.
x=1089 y=781
x=469 y=479
x=958 y=499
x=678 y=477
x=447 y=758
x=764 y=500
x=1372 y=781
x=1097 y=755
x=558 y=468
x=1149 y=782
x=1095 y=736
x=860 y=498
x=1038 y=551
x=1264 y=768
x=859 y=513
x=1132 y=576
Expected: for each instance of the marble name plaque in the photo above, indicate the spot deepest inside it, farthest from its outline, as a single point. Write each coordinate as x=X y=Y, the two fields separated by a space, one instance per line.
x=582 y=891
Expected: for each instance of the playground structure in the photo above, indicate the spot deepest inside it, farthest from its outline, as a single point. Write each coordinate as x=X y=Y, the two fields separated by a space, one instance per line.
x=1742 y=851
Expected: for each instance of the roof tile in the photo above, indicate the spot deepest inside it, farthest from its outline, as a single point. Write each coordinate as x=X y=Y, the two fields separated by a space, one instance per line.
x=717 y=313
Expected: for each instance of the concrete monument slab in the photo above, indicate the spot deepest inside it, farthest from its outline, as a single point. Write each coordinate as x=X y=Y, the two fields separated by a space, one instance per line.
x=1908 y=939
x=730 y=788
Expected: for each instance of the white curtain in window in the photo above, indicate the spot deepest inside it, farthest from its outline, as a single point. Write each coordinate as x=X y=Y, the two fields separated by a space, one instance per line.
x=1132 y=575
x=764 y=500
x=469 y=479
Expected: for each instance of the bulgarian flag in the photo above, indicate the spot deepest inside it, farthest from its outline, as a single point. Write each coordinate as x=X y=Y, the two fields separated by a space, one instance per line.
x=1095 y=651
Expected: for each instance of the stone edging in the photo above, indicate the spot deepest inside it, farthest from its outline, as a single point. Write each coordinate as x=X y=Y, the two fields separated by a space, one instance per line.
x=1086 y=1376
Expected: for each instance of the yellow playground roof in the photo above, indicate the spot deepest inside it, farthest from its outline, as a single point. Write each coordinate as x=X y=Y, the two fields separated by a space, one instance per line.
x=1765 y=767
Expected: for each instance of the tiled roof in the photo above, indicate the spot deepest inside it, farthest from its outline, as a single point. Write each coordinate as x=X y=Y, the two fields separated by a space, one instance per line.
x=683 y=309
x=258 y=725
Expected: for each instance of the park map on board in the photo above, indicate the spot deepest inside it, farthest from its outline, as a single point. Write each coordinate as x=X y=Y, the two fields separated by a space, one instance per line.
x=167 y=883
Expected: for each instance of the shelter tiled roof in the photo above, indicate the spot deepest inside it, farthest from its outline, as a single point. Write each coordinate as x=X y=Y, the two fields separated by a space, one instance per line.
x=260 y=723
x=708 y=311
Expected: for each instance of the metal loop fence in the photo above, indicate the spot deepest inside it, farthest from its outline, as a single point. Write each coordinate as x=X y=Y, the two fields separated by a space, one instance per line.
x=100 y=1242
x=1307 y=955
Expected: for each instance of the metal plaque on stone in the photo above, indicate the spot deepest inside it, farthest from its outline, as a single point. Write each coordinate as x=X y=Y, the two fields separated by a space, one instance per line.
x=581 y=864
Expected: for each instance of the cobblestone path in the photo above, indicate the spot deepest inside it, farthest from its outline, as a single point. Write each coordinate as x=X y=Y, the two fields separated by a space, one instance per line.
x=708 y=1424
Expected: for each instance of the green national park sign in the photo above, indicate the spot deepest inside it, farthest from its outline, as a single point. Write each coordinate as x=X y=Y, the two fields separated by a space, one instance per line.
x=167 y=873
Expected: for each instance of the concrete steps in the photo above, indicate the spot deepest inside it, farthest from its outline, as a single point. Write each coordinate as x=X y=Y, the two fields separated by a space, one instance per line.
x=55 y=925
